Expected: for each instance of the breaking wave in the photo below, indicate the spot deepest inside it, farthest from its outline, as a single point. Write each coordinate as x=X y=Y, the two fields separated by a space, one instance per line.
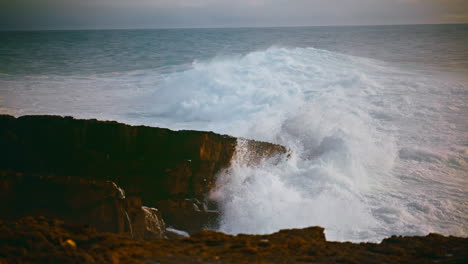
x=375 y=149
x=353 y=126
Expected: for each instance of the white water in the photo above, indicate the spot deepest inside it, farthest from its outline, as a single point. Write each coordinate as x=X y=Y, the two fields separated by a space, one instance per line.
x=376 y=149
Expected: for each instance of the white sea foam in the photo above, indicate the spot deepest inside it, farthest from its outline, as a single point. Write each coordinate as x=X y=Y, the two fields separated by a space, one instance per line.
x=354 y=127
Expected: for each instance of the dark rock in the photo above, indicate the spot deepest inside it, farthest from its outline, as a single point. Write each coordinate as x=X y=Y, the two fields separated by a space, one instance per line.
x=158 y=165
x=40 y=240
x=96 y=203
x=189 y=215
x=153 y=163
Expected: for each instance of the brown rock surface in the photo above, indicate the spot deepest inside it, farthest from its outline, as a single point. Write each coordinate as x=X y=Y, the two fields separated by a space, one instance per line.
x=156 y=163
x=152 y=163
x=38 y=240
x=154 y=224
x=99 y=204
x=189 y=215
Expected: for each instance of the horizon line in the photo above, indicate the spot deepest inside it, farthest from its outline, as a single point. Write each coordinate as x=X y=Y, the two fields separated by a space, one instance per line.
x=226 y=27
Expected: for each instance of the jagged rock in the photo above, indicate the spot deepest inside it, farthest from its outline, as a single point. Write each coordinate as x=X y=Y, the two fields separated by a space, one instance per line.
x=252 y=152
x=189 y=215
x=77 y=200
x=154 y=224
x=99 y=204
x=153 y=163
x=40 y=240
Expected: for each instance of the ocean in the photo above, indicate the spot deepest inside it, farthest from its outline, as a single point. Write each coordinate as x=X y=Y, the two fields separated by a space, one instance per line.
x=375 y=117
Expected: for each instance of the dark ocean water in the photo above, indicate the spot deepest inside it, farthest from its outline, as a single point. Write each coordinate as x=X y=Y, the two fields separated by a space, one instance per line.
x=107 y=51
x=376 y=116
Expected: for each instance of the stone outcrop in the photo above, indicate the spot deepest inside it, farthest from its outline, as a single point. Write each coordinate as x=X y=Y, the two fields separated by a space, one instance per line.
x=153 y=223
x=189 y=215
x=62 y=200
x=154 y=163
x=162 y=167
x=40 y=240
x=98 y=204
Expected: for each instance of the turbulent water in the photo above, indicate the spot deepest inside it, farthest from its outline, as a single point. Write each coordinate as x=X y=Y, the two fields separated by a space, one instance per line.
x=376 y=118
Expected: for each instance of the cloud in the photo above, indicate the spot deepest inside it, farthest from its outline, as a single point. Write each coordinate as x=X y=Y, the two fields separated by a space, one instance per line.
x=57 y=14
x=457 y=17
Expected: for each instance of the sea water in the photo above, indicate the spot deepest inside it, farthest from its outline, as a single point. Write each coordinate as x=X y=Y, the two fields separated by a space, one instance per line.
x=375 y=117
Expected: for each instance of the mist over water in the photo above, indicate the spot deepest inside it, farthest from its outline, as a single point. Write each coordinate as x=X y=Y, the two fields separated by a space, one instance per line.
x=378 y=142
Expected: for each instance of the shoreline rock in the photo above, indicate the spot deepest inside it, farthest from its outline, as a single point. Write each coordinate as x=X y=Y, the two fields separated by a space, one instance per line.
x=41 y=240
x=156 y=163
x=162 y=167
x=88 y=191
x=98 y=204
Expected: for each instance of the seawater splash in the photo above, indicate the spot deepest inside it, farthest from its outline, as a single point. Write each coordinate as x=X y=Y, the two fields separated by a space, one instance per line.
x=322 y=182
x=311 y=101
x=350 y=123
x=228 y=93
x=294 y=192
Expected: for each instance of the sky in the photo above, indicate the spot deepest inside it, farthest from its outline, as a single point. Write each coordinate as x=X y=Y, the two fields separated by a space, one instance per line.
x=114 y=14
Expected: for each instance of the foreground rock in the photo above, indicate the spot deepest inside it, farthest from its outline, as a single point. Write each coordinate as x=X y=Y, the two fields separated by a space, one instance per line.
x=188 y=214
x=38 y=240
x=99 y=204
x=162 y=167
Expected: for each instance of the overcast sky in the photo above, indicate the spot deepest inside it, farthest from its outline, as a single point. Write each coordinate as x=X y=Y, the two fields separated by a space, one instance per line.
x=97 y=14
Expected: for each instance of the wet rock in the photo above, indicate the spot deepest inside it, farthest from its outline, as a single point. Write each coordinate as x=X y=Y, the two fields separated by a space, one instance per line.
x=189 y=215
x=154 y=224
x=175 y=233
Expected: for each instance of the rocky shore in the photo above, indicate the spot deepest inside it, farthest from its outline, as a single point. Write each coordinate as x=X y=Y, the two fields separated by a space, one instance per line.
x=88 y=191
x=103 y=173
x=39 y=240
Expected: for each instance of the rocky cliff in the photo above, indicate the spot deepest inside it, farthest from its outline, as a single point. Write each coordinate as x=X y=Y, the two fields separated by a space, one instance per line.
x=172 y=170
x=83 y=191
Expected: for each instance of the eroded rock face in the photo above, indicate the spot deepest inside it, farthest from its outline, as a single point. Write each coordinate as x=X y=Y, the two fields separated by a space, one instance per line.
x=99 y=204
x=153 y=163
x=189 y=215
x=160 y=166
x=154 y=224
